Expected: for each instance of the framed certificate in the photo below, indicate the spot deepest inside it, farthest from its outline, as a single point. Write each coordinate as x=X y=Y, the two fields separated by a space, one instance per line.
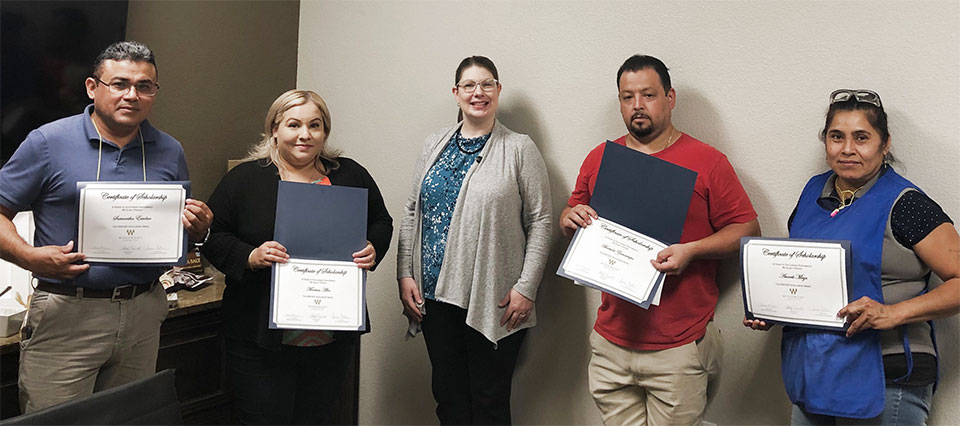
x=614 y=259
x=796 y=282
x=318 y=295
x=132 y=223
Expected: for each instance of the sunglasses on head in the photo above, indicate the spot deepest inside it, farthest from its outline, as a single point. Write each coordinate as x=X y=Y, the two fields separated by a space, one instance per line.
x=861 y=95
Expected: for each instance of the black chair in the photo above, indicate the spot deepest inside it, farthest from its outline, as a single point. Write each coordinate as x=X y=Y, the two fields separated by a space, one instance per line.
x=150 y=401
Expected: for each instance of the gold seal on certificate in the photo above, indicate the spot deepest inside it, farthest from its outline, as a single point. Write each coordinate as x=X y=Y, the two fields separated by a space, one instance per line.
x=131 y=223
x=614 y=259
x=318 y=295
x=795 y=282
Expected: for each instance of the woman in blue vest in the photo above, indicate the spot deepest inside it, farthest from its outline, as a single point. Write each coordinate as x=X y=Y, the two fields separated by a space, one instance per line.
x=884 y=368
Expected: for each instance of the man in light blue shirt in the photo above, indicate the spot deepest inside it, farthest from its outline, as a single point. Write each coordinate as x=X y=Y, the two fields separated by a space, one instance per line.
x=90 y=327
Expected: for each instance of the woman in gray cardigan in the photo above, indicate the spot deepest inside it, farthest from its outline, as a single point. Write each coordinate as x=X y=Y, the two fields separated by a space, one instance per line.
x=474 y=239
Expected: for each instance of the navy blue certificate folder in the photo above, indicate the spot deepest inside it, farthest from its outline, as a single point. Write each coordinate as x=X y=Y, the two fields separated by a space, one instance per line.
x=642 y=192
x=321 y=222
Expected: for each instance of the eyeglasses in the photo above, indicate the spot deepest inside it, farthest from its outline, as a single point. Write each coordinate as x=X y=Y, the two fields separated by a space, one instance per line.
x=470 y=86
x=121 y=87
x=861 y=95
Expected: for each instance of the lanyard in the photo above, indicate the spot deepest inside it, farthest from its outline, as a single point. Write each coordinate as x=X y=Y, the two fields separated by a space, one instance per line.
x=143 y=149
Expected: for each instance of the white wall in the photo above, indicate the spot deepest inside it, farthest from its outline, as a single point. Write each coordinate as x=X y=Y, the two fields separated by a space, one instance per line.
x=752 y=79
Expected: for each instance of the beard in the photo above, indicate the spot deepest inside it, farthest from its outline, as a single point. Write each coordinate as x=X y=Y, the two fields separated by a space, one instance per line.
x=637 y=130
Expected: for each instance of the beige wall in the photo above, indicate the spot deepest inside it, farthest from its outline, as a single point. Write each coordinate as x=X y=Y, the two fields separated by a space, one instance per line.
x=221 y=65
x=752 y=79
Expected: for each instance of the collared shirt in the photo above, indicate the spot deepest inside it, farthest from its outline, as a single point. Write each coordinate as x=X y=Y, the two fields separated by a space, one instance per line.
x=42 y=176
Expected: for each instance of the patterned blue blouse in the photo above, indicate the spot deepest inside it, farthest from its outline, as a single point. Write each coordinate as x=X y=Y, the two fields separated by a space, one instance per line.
x=438 y=197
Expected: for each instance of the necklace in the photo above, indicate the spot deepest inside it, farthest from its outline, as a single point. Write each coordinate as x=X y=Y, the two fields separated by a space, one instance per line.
x=460 y=140
x=143 y=149
x=842 y=193
x=672 y=131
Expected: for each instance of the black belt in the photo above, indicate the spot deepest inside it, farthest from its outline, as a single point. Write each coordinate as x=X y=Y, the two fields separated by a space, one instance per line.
x=126 y=292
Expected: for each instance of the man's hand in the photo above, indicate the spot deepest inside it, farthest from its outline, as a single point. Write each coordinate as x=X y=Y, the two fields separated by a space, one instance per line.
x=55 y=262
x=674 y=259
x=578 y=216
x=196 y=219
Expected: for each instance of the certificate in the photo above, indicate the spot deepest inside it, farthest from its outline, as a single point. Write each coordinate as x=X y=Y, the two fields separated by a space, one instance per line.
x=796 y=282
x=319 y=288
x=614 y=259
x=317 y=295
x=131 y=223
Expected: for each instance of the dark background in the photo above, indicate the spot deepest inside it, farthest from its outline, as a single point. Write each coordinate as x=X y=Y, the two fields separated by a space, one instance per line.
x=47 y=50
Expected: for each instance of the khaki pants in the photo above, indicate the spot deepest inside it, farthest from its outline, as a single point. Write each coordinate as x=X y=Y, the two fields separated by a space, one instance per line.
x=665 y=387
x=80 y=346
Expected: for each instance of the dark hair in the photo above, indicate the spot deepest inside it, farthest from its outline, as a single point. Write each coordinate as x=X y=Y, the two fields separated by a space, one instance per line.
x=125 y=51
x=639 y=62
x=474 y=61
x=874 y=114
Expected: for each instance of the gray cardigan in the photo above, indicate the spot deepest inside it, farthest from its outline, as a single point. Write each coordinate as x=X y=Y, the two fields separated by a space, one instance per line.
x=499 y=233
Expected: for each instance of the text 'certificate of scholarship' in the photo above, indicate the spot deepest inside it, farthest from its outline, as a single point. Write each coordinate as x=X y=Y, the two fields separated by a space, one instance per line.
x=132 y=223
x=796 y=282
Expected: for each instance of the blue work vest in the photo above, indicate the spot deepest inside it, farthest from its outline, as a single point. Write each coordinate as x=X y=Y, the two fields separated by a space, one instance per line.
x=826 y=372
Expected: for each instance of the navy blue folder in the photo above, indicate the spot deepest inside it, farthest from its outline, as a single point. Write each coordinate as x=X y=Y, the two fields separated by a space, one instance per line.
x=321 y=222
x=642 y=192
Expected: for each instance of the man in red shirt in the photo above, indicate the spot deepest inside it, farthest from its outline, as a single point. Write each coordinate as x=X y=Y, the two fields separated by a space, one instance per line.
x=653 y=365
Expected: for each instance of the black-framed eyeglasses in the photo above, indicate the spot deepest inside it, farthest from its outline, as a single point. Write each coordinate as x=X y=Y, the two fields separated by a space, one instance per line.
x=861 y=95
x=470 y=86
x=121 y=87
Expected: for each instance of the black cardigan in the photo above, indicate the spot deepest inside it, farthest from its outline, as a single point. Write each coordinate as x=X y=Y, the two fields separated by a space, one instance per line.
x=244 y=206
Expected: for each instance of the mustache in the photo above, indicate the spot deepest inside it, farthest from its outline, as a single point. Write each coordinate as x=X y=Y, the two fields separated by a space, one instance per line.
x=639 y=115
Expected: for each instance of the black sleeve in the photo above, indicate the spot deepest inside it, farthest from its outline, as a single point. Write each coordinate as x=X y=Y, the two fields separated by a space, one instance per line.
x=914 y=216
x=379 y=222
x=224 y=249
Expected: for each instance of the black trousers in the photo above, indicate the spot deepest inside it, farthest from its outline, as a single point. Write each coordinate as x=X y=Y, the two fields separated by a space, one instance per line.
x=295 y=385
x=471 y=377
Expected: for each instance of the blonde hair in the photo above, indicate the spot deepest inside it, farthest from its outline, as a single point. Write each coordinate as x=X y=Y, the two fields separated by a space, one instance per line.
x=266 y=149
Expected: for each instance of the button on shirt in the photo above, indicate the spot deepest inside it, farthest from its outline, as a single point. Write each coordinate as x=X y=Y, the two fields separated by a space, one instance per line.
x=42 y=176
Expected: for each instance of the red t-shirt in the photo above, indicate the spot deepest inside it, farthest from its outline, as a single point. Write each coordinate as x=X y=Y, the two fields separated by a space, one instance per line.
x=688 y=300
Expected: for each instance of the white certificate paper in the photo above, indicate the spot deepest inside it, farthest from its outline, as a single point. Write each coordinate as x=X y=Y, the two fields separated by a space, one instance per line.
x=131 y=223
x=318 y=295
x=796 y=282
x=614 y=259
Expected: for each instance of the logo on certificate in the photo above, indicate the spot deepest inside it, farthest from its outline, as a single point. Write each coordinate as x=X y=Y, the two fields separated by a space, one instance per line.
x=131 y=231
x=793 y=291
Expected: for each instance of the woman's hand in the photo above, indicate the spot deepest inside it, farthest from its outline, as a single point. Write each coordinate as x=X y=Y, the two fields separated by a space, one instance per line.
x=866 y=313
x=518 y=309
x=757 y=324
x=367 y=257
x=578 y=216
x=267 y=254
x=410 y=298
